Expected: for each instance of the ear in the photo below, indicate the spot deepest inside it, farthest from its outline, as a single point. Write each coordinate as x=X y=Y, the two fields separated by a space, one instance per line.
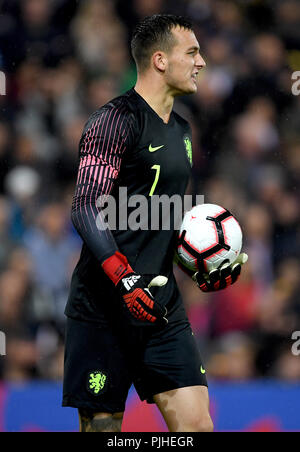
x=159 y=60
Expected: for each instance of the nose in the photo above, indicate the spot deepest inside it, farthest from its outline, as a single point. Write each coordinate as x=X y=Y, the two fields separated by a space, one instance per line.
x=200 y=63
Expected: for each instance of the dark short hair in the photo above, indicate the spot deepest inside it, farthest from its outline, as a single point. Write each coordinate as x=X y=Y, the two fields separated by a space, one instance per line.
x=155 y=33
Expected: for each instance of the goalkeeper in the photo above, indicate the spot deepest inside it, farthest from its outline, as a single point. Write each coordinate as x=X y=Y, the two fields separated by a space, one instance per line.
x=126 y=322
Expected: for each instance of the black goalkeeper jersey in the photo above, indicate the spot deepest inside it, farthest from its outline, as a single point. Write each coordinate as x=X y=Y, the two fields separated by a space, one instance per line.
x=126 y=149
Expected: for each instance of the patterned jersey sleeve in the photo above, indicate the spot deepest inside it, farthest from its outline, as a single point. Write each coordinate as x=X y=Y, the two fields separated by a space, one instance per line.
x=107 y=136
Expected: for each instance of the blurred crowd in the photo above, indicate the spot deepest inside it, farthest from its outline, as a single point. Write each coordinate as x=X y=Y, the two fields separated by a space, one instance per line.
x=63 y=59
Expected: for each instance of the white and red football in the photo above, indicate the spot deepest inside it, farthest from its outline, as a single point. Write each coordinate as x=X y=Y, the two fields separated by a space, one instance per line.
x=209 y=237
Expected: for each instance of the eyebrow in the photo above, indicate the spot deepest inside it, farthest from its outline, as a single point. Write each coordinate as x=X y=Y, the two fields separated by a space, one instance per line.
x=193 y=48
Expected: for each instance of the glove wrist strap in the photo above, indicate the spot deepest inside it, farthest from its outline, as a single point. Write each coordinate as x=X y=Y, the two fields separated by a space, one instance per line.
x=116 y=267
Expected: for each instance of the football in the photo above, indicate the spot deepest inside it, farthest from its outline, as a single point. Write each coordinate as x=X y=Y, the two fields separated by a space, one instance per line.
x=209 y=237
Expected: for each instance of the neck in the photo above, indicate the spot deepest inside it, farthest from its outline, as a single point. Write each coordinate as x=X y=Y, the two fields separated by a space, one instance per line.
x=157 y=95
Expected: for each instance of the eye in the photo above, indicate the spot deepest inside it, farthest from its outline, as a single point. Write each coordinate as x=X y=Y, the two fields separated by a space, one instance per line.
x=193 y=52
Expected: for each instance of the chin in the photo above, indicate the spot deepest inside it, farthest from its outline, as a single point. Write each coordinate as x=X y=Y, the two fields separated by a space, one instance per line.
x=191 y=90
x=194 y=89
x=184 y=90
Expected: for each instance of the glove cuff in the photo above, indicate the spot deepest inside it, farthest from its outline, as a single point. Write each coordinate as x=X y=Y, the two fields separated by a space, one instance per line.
x=116 y=267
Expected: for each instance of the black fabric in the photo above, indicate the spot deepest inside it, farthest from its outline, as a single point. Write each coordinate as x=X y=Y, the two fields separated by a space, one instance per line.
x=114 y=152
x=154 y=360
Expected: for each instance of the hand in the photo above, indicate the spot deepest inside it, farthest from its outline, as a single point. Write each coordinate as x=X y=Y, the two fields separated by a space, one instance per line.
x=139 y=300
x=135 y=291
x=221 y=278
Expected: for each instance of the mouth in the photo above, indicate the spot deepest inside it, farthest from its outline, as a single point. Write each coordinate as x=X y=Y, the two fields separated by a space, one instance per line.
x=194 y=76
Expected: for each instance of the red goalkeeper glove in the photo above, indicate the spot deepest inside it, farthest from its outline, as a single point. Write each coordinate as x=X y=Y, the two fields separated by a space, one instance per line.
x=135 y=291
x=218 y=278
x=222 y=277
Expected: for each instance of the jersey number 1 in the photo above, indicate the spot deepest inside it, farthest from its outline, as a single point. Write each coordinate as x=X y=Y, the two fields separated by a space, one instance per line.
x=157 y=169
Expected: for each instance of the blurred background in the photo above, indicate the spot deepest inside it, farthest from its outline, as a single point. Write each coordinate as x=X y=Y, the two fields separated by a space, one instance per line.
x=62 y=60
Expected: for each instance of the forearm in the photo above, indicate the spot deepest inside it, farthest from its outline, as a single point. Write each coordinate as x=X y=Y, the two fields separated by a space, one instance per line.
x=90 y=225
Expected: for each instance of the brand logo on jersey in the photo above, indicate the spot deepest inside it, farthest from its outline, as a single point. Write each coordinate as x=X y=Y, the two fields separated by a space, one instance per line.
x=130 y=281
x=96 y=382
x=188 y=148
x=151 y=149
x=202 y=370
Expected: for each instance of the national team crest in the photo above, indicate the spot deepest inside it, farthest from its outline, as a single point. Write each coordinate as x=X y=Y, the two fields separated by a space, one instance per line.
x=188 y=147
x=96 y=382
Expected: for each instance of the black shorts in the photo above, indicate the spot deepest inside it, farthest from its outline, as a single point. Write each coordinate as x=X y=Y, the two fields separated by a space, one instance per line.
x=101 y=363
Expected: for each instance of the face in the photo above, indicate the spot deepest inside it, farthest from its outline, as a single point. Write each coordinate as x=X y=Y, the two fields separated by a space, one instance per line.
x=183 y=63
